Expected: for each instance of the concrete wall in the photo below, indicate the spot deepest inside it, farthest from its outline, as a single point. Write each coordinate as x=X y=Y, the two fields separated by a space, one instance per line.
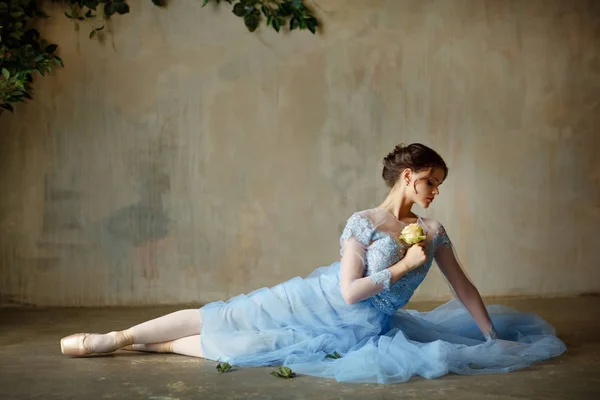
x=186 y=160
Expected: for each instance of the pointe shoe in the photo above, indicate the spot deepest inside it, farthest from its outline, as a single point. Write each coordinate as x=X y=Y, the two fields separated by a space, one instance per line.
x=74 y=345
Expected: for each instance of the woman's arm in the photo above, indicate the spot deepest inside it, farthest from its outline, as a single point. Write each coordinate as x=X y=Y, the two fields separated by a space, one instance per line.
x=465 y=291
x=355 y=287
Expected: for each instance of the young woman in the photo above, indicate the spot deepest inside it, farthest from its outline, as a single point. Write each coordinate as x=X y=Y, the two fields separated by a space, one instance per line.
x=354 y=306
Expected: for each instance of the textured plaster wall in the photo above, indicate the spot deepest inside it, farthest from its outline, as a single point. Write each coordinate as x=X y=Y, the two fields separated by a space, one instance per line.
x=186 y=160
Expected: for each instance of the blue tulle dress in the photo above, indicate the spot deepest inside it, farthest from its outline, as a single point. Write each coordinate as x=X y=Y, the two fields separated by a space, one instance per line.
x=300 y=322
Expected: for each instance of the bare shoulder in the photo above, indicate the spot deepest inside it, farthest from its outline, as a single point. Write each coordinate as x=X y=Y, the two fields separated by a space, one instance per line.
x=432 y=224
x=437 y=233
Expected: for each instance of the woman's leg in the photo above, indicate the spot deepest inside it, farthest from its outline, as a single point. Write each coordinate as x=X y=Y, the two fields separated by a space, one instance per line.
x=163 y=329
x=187 y=346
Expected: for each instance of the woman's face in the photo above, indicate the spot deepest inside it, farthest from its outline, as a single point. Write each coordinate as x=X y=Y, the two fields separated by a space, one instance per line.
x=423 y=187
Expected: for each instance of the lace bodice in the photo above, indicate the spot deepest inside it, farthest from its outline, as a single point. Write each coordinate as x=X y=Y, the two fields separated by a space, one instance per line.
x=378 y=231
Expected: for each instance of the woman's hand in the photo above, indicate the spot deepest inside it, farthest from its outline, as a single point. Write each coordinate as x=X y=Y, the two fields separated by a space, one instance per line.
x=415 y=257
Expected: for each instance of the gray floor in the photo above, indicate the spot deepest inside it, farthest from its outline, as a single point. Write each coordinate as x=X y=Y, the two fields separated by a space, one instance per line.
x=33 y=368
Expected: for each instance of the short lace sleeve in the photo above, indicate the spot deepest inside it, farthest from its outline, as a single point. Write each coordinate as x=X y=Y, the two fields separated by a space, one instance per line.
x=359 y=227
x=441 y=238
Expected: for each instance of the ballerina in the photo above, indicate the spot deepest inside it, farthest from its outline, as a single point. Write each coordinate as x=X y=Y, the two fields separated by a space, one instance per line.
x=354 y=307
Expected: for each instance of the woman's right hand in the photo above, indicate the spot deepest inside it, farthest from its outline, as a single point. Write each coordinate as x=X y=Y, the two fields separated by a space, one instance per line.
x=415 y=256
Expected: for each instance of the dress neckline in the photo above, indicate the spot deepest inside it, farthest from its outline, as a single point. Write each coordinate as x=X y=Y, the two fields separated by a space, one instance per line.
x=396 y=218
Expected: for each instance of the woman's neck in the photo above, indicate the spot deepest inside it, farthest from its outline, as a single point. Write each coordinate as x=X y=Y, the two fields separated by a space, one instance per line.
x=397 y=204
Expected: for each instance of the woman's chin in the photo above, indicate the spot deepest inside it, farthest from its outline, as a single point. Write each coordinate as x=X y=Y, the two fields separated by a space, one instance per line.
x=425 y=203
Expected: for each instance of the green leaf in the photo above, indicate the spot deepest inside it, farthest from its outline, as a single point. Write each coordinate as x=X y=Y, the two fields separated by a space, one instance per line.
x=68 y=15
x=101 y=28
x=276 y=24
x=266 y=11
x=89 y=14
x=16 y=14
x=284 y=372
x=239 y=10
x=252 y=20
x=159 y=3
x=311 y=24
x=204 y=2
x=109 y=9
x=334 y=356
x=92 y=34
x=51 y=48
x=223 y=368
x=5 y=73
x=293 y=23
x=122 y=8
x=285 y=10
x=7 y=106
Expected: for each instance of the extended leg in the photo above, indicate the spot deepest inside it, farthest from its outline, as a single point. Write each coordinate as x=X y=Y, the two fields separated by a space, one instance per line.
x=163 y=329
x=187 y=346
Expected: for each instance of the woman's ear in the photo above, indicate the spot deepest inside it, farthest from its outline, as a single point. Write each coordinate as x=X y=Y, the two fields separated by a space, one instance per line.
x=406 y=175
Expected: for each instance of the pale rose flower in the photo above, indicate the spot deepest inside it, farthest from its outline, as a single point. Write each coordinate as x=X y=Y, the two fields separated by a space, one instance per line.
x=412 y=233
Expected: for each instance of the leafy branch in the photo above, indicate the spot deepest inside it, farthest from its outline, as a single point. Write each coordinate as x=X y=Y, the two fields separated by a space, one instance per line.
x=277 y=13
x=24 y=53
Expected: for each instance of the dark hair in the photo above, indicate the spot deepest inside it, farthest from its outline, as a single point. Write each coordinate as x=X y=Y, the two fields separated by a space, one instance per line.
x=416 y=156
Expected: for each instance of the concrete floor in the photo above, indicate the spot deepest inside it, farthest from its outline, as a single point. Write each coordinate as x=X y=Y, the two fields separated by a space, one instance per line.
x=33 y=368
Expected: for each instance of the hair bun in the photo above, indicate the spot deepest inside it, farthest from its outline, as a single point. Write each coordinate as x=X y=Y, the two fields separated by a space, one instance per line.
x=415 y=156
x=390 y=159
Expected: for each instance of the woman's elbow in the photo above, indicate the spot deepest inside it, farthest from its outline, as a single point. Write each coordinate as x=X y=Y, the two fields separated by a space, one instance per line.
x=349 y=298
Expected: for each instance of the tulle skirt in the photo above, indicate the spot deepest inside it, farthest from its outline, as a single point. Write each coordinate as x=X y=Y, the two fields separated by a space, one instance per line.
x=306 y=325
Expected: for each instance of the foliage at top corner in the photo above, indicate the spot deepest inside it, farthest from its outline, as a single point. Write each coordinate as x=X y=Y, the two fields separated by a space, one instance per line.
x=276 y=13
x=23 y=52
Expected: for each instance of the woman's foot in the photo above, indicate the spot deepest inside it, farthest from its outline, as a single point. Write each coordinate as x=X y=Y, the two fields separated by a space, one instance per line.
x=165 y=347
x=82 y=344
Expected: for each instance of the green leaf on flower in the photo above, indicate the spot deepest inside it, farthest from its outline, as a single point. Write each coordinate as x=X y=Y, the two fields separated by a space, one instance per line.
x=334 y=356
x=284 y=372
